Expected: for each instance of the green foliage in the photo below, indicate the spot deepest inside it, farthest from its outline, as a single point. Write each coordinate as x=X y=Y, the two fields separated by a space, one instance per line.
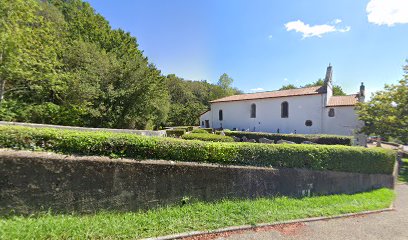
x=191 y=98
x=287 y=87
x=297 y=138
x=194 y=216
x=176 y=132
x=337 y=90
x=207 y=137
x=386 y=114
x=199 y=130
x=209 y=130
x=317 y=157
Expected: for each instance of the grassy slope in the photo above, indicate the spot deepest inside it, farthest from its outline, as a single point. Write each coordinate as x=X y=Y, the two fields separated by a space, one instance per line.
x=194 y=216
x=403 y=175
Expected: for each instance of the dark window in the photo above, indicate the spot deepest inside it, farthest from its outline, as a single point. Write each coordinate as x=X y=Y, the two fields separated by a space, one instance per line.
x=220 y=115
x=285 y=110
x=331 y=112
x=308 y=123
x=253 y=110
x=202 y=123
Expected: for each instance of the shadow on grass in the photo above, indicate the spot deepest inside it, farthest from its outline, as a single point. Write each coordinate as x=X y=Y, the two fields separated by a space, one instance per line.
x=403 y=174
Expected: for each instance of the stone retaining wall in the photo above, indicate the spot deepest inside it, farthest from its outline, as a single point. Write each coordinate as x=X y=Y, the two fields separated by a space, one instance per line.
x=31 y=182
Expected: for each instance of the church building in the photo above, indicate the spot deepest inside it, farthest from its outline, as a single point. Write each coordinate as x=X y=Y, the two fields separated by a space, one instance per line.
x=311 y=110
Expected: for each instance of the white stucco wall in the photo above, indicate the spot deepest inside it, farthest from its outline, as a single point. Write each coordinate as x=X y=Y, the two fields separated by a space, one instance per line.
x=343 y=123
x=236 y=114
x=206 y=116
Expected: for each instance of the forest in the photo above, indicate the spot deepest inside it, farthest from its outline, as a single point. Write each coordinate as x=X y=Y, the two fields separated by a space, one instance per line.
x=62 y=63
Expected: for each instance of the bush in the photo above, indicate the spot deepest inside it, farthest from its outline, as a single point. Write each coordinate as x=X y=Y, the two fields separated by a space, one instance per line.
x=186 y=128
x=176 y=132
x=199 y=130
x=207 y=137
x=297 y=138
x=209 y=130
x=317 y=157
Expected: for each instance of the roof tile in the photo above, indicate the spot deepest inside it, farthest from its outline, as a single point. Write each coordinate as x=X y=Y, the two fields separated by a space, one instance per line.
x=274 y=94
x=337 y=101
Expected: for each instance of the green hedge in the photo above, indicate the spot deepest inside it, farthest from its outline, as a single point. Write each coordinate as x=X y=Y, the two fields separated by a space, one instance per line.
x=297 y=138
x=209 y=130
x=317 y=157
x=207 y=137
x=187 y=128
x=199 y=130
x=177 y=132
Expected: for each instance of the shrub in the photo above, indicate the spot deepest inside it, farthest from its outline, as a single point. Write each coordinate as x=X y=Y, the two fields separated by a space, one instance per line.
x=317 y=157
x=207 y=137
x=176 y=132
x=186 y=128
x=199 y=130
x=297 y=138
x=209 y=130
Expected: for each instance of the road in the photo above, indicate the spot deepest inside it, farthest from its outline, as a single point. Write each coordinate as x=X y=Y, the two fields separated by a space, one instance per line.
x=386 y=225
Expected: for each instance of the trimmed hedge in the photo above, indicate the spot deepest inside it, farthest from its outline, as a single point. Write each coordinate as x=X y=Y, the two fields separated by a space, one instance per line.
x=187 y=128
x=317 y=157
x=199 y=130
x=297 y=138
x=207 y=137
x=209 y=130
x=176 y=132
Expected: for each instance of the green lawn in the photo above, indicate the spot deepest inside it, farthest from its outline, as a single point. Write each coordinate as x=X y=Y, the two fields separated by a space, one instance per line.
x=403 y=174
x=194 y=216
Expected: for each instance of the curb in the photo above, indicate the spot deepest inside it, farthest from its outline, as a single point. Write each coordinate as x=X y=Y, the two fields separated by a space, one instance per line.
x=262 y=225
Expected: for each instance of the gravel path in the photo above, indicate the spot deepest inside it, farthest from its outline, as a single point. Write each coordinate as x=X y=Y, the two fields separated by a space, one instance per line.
x=386 y=225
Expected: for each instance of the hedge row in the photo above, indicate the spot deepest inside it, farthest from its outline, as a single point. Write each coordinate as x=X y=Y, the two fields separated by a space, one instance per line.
x=209 y=130
x=207 y=137
x=176 y=132
x=199 y=130
x=297 y=138
x=317 y=157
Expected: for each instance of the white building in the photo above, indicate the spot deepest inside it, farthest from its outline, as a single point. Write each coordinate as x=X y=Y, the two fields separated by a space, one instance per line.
x=311 y=110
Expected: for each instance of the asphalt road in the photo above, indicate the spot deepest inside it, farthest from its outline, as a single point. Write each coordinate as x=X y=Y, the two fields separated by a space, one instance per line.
x=386 y=225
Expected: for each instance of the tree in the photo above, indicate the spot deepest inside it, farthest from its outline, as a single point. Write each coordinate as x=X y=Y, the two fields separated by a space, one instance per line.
x=337 y=90
x=287 y=87
x=386 y=114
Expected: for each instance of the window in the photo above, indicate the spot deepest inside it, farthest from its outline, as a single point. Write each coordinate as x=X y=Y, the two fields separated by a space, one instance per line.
x=202 y=123
x=331 y=112
x=285 y=110
x=253 y=110
x=308 y=123
x=220 y=115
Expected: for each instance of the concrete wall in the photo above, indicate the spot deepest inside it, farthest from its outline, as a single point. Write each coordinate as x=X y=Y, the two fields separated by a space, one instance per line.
x=32 y=182
x=343 y=123
x=138 y=132
x=268 y=114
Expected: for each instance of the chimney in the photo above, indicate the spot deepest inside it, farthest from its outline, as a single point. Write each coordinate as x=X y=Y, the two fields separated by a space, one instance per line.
x=329 y=73
x=362 y=92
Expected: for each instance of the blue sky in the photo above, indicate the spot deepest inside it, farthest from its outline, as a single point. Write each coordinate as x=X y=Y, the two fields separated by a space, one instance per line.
x=264 y=44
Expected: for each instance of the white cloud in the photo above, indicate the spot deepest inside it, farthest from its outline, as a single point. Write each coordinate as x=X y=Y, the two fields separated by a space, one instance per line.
x=285 y=79
x=270 y=37
x=257 y=90
x=316 y=30
x=387 y=12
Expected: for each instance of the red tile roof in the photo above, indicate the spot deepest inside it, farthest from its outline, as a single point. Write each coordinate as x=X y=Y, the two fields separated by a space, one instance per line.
x=274 y=94
x=337 y=101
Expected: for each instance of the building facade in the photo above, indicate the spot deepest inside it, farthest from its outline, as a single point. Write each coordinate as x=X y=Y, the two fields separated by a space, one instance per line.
x=312 y=110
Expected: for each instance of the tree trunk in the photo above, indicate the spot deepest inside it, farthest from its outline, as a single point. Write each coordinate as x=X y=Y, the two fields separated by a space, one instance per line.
x=2 y=82
x=378 y=141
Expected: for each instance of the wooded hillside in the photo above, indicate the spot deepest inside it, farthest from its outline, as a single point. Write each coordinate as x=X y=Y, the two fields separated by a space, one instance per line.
x=62 y=63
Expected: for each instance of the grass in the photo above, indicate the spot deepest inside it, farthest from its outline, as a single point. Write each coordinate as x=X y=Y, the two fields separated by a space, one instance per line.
x=190 y=217
x=403 y=174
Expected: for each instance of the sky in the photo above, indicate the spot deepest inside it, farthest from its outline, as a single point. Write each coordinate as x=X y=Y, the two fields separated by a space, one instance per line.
x=264 y=44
